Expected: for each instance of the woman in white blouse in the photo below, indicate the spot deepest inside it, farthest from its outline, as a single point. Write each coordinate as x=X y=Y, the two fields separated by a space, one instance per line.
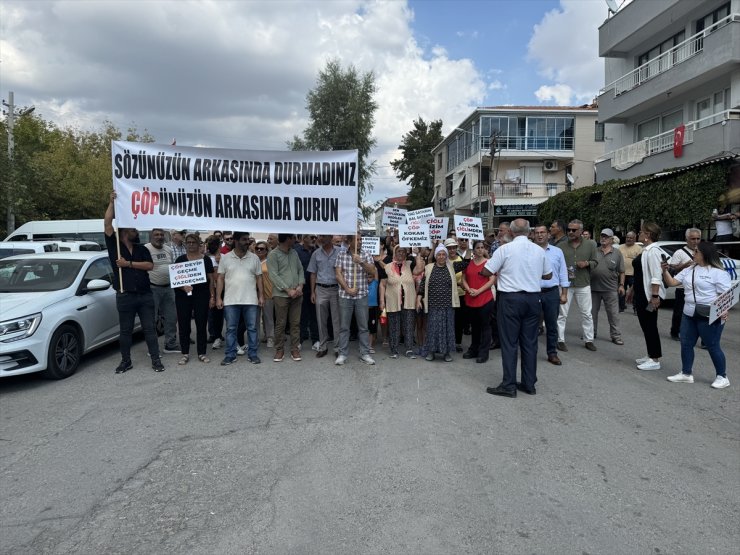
x=703 y=282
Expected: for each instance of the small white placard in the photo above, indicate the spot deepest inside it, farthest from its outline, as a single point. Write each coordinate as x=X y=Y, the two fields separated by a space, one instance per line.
x=370 y=245
x=413 y=235
x=467 y=227
x=394 y=216
x=724 y=302
x=187 y=273
x=420 y=216
x=438 y=228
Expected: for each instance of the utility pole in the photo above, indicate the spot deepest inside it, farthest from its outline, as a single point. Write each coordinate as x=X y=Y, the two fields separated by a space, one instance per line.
x=9 y=209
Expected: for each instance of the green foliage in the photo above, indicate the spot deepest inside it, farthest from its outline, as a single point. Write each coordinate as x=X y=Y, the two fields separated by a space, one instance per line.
x=674 y=202
x=58 y=173
x=341 y=109
x=417 y=161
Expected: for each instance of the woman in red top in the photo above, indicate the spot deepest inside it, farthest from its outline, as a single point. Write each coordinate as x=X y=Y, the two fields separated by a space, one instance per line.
x=479 y=300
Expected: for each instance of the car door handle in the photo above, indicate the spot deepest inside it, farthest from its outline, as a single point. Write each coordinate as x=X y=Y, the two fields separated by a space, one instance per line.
x=82 y=308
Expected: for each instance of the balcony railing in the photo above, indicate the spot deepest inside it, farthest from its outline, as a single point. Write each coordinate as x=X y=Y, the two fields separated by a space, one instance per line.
x=676 y=55
x=629 y=155
x=447 y=204
x=521 y=190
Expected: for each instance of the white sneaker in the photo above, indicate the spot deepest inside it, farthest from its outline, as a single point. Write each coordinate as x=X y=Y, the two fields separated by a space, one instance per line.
x=241 y=350
x=367 y=359
x=340 y=360
x=315 y=346
x=642 y=360
x=216 y=343
x=681 y=378
x=720 y=382
x=270 y=342
x=649 y=365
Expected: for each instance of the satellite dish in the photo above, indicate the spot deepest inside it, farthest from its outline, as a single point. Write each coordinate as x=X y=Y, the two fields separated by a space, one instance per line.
x=612 y=5
x=570 y=178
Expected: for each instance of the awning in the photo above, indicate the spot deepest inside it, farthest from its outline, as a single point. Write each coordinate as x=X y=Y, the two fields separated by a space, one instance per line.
x=660 y=175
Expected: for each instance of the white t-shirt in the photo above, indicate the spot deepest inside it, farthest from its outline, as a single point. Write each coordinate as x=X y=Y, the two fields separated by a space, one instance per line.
x=162 y=258
x=240 y=278
x=710 y=283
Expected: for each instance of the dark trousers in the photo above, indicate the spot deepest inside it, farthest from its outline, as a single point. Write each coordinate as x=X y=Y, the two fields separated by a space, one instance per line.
x=196 y=304
x=309 y=323
x=649 y=324
x=519 y=318
x=216 y=323
x=550 y=310
x=480 y=324
x=628 y=282
x=677 y=312
x=129 y=305
x=462 y=319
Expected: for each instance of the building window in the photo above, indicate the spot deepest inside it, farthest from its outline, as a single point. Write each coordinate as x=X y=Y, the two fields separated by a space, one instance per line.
x=598 y=132
x=439 y=161
x=648 y=128
x=664 y=46
x=706 y=22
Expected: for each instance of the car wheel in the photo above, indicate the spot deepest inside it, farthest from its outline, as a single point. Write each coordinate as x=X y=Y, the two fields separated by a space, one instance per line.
x=64 y=353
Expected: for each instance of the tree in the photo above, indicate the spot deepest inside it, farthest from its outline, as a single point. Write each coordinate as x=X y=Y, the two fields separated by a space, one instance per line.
x=417 y=163
x=341 y=110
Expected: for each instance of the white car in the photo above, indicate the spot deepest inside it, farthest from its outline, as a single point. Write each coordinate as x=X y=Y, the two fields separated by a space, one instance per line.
x=731 y=265
x=54 y=308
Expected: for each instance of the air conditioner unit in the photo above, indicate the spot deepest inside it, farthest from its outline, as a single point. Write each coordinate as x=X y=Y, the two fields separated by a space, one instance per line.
x=550 y=166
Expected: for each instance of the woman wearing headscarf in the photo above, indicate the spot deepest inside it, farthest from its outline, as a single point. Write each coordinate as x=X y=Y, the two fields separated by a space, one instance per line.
x=647 y=292
x=703 y=282
x=398 y=299
x=438 y=291
x=479 y=302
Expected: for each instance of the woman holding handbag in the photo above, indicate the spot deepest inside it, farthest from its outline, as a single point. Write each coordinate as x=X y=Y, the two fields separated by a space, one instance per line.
x=703 y=283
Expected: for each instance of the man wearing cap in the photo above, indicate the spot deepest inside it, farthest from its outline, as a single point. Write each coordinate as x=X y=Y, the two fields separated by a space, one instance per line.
x=521 y=266
x=607 y=283
x=580 y=259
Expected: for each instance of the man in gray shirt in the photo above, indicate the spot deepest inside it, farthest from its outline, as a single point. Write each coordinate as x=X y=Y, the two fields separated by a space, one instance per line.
x=607 y=283
x=164 y=295
x=325 y=291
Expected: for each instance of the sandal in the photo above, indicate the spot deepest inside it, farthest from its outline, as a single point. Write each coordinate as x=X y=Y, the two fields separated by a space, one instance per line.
x=184 y=360
x=204 y=359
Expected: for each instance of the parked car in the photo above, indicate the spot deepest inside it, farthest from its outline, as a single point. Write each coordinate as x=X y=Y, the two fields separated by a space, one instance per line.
x=731 y=265
x=54 y=308
x=70 y=230
x=12 y=248
x=76 y=246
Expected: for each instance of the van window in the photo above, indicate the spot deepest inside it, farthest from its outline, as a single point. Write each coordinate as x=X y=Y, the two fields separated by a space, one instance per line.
x=4 y=253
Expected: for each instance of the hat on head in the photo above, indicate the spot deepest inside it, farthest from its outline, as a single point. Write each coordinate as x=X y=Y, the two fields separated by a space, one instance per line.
x=450 y=242
x=440 y=249
x=608 y=232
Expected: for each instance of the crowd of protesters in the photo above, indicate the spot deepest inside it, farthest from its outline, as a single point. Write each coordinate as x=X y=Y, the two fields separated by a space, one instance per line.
x=287 y=291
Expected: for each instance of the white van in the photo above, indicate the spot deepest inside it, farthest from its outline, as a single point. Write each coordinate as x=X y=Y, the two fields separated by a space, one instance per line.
x=70 y=230
x=77 y=246
x=11 y=248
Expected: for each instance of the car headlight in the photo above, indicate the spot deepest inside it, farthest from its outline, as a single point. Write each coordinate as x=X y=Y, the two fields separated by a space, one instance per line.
x=20 y=328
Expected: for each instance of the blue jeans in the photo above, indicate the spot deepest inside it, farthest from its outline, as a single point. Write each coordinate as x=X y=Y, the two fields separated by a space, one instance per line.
x=358 y=307
x=233 y=313
x=692 y=328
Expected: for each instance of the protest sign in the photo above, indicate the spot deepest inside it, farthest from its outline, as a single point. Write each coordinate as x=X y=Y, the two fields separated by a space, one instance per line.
x=724 y=302
x=413 y=235
x=393 y=216
x=420 y=216
x=370 y=245
x=467 y=227
x=438 y=228
x=187 y=273
x=178 y=187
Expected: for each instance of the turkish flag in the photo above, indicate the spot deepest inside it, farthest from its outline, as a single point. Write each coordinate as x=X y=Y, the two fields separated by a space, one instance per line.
x=678 y=134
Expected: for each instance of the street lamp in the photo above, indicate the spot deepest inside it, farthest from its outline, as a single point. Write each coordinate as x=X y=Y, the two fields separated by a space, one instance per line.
x=9 y=213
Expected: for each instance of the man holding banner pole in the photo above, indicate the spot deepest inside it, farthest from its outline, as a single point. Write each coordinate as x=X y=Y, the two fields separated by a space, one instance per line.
x=133 y=289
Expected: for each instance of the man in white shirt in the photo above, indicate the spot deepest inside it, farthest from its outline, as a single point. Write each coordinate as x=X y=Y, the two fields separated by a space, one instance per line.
x=164 y=295
x=521 y=266
x=682 y=258
x=240 y=281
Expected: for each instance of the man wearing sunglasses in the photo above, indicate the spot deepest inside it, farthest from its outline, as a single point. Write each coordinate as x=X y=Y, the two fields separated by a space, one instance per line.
x=580 y=259
x=228 y=244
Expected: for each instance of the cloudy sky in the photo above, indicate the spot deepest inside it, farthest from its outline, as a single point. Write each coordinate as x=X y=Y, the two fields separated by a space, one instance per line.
x=235 y=74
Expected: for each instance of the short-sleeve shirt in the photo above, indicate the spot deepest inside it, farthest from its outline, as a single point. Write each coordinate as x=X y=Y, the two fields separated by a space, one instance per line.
x=240 y=278
x=322 y=265
x=605 y=277
x=354 y=274
x=134 y=281
x=162 y=258
x=476 y=281
x=520 y=266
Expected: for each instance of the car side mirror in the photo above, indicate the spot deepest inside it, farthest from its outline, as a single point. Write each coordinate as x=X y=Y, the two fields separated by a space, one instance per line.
x=96 y=285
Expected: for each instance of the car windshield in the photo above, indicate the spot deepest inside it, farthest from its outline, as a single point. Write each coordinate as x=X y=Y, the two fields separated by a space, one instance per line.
x=32 y=275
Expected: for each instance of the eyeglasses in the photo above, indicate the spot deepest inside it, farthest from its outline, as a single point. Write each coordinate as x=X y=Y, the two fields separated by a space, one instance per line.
x=573 y=230
x=260 y=249
x=228 y=238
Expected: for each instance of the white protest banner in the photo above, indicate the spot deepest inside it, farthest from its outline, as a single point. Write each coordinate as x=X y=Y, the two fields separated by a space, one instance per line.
x=467 y=227
x=413 y=235
x=724 y=302
x=421 y=216
x=187 y=273
x=179 y=187
x=438 y=228
x=370 y=245
x=393 y=216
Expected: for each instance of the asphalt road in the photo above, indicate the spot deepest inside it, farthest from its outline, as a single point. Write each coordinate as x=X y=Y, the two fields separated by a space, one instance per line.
x=403 y=457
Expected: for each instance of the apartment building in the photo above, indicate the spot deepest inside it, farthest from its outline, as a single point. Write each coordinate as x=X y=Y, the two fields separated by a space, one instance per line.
x=672 y=97
x=501 y=162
